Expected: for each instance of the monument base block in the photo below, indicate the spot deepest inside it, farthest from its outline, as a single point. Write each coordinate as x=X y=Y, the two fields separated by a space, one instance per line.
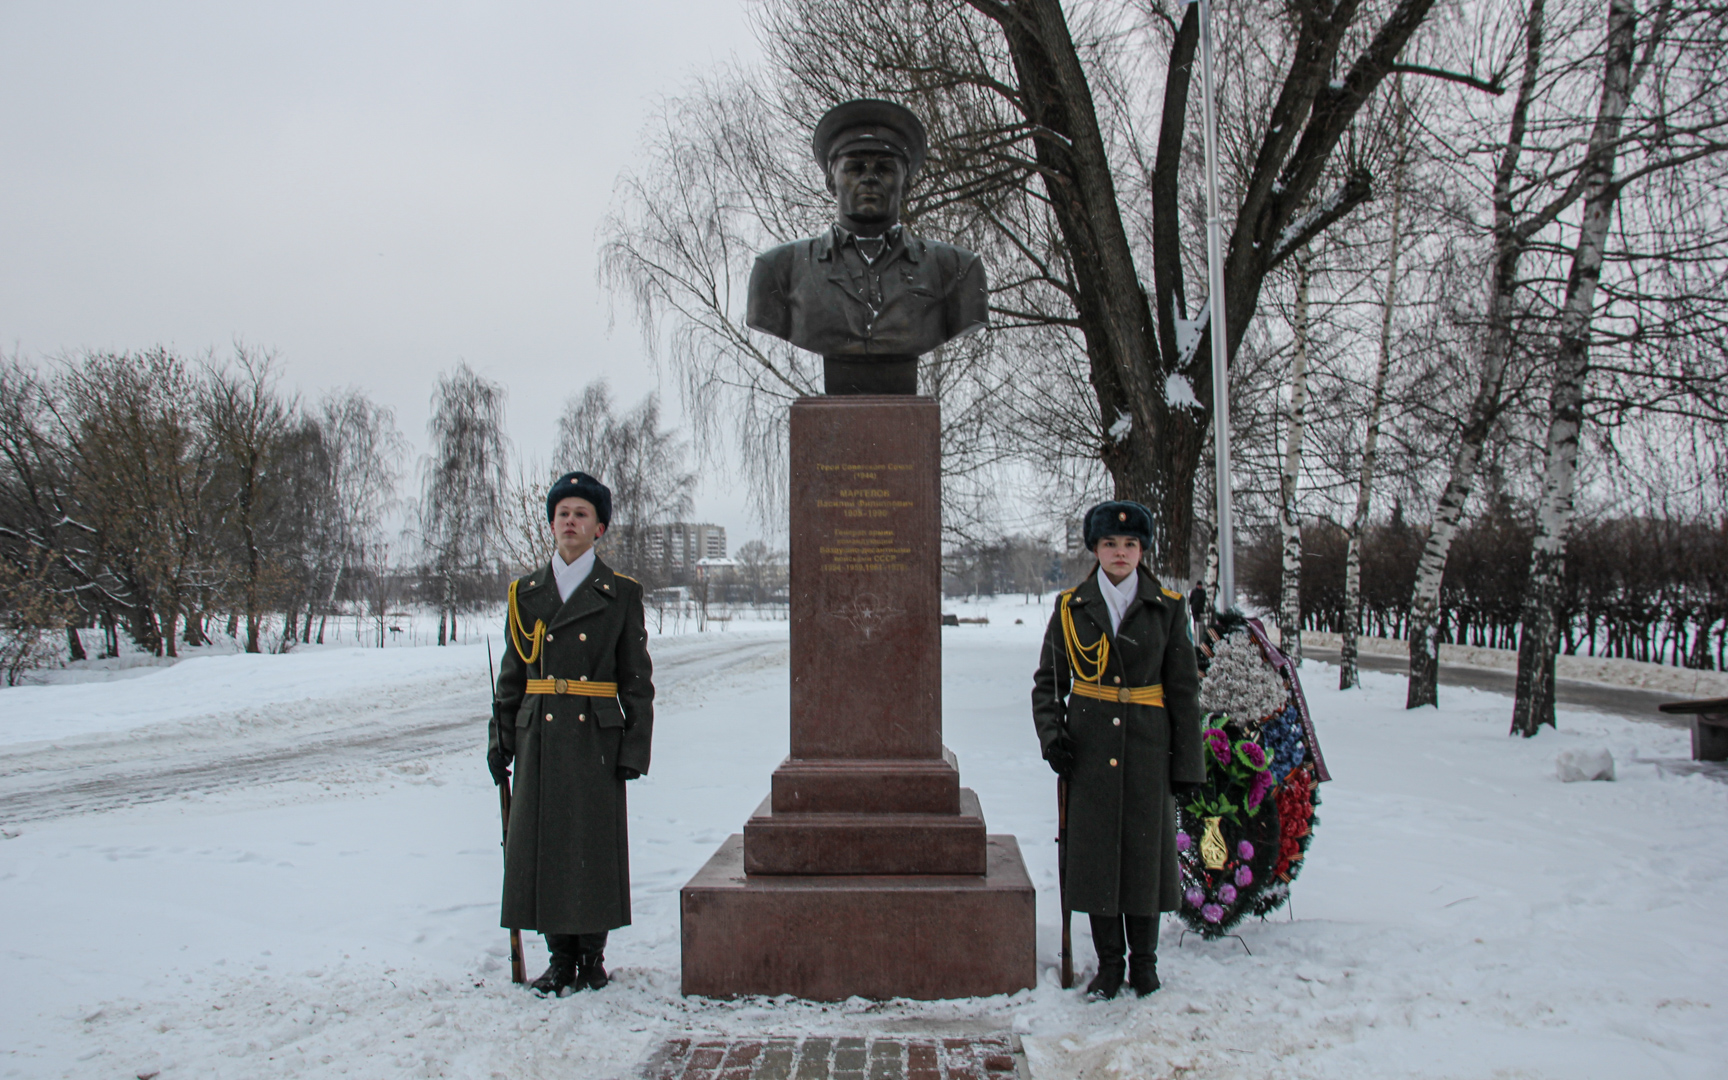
x=832 y=937
x=806 y=844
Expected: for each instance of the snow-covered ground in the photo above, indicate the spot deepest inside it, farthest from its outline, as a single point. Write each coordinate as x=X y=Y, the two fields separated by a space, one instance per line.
x=248 y=866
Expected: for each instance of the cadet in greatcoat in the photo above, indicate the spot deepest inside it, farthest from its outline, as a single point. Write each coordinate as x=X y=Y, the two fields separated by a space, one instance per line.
x=574 y=709
x=1116 y=705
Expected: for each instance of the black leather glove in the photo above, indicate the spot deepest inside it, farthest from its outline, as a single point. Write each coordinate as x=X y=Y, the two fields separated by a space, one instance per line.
x=1060 y=755
x=625 y=772
x=499 y=763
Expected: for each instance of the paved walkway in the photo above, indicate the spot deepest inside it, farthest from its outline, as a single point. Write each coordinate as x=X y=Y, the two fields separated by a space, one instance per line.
x=883 y=1057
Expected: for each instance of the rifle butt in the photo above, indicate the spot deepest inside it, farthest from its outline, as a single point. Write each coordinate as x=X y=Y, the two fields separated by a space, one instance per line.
x=518 y=967
x=1062 y=881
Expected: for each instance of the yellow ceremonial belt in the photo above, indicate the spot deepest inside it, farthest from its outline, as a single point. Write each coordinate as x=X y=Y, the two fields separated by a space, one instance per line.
x=1134 y=695
x=580 y=687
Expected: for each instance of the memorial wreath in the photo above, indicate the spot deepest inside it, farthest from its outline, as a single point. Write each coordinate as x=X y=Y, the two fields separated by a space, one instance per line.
x=1245 y=832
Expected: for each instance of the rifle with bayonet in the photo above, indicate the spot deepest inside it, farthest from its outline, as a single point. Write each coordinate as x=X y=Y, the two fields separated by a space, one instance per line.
x=518 y=971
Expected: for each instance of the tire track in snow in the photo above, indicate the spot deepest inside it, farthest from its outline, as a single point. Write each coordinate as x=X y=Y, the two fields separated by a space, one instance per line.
x=44 y=781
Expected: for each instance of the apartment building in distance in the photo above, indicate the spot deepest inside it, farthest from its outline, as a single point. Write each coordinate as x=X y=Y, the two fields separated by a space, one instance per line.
x=680 y=545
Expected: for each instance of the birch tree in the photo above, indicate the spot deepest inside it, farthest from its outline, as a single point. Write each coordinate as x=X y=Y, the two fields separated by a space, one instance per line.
x=464 y=480
x=364 y=450
x=247 y=421
x=1289 y=523
x=1347 y=674
x=1511 y=236
x=1685 y=136
x=633 y=455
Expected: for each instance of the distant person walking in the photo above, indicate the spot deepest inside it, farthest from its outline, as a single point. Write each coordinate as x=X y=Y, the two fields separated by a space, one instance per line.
x=574 y=708
x=1116 y=705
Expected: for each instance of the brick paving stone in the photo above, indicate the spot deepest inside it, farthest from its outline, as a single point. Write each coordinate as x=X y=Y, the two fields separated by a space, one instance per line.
x=988 y=1057
x=777 y=1059
x=813 y=1059
x=848 y=1057
x=708 y=1056
x=886 y=1060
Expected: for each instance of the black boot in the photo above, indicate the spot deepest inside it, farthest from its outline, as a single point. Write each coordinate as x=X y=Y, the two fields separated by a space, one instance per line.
x=560 y=975
x=1112 y=946
x=1142 y=953
x=590 y=967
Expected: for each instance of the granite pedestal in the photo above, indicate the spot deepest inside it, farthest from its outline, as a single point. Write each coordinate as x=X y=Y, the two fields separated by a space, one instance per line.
x=867 y=869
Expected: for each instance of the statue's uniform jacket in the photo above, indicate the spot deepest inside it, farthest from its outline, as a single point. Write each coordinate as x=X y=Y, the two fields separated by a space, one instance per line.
x=1121 y=814
x=567 y=861
x=820 y=294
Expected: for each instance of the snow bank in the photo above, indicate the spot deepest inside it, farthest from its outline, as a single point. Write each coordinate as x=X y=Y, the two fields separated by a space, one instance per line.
x=1465 y=914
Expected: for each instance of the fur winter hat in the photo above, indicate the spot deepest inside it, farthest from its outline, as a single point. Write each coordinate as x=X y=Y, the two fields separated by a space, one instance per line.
x=1118 y=519
x=580 y=485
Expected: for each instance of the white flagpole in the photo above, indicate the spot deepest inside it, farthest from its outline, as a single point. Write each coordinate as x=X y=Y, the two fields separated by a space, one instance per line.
x=1226 y=598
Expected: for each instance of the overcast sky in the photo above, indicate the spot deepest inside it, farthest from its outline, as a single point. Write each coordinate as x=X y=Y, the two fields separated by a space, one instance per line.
x=373 y=190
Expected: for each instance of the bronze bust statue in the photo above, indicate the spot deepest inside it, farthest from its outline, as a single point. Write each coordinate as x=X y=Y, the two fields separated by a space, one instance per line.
x=866 y=295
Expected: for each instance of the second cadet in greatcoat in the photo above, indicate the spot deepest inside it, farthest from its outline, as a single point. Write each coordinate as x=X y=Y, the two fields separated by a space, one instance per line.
x=574 y=712
x=1115 y=702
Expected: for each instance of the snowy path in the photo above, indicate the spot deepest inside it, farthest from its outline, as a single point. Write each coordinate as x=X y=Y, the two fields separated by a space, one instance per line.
x=1465 y=914
x=334 y=728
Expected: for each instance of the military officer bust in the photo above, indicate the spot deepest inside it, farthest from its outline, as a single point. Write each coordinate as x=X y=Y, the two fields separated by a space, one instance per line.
x=865 y=294
x=574 y=712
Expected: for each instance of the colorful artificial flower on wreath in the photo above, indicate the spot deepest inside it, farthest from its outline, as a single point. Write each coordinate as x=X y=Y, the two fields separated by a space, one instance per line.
x=1239 y=783
x=1238 y=776
x=1295 y=801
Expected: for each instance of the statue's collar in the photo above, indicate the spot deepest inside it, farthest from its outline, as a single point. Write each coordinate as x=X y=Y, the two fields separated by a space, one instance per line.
x=898 y=240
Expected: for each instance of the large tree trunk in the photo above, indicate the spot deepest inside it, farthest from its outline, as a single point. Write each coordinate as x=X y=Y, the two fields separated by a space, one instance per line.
x=1142 y=368
x=1533 y=703
x=1348 y=676
x=1289 y=523
x=1510 y=241
x=1148 y=459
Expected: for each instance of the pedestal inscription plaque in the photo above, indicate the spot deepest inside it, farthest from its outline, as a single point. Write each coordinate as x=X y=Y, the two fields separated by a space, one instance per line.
x=866 y=565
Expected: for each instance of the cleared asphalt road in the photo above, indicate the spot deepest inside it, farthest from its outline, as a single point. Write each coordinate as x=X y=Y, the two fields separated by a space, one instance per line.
x=56 y=779
x=1616 y=700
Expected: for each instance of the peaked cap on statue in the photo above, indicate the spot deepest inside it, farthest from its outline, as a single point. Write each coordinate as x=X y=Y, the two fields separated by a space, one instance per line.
x=868 y=124
x=1118 y=518
x=580 y=485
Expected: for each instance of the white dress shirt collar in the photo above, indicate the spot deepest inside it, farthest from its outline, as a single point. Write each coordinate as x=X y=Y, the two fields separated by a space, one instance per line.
x=570 y=575
x=1118 y=597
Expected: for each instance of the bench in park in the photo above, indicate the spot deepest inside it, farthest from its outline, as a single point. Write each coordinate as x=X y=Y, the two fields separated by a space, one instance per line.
x=1709 y=726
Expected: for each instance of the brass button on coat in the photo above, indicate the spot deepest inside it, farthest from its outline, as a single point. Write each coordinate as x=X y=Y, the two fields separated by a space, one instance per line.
x=1112 y=763
x=1118 y=679
x=581 y=637
x=1116 y=720
x=581 y=716
x=548 y=718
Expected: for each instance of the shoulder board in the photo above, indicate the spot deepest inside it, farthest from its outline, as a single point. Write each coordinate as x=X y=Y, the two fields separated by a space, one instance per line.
x=1171 y=593
x=626 y=577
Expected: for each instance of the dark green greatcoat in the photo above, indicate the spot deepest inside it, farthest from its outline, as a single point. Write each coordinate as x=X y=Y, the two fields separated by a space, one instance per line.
x=1121 y=814
x=567 y=860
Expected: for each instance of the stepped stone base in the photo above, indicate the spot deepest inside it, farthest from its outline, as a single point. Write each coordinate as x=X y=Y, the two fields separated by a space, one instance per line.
x=878 y=843
x=866 y=786
x=831 y=937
